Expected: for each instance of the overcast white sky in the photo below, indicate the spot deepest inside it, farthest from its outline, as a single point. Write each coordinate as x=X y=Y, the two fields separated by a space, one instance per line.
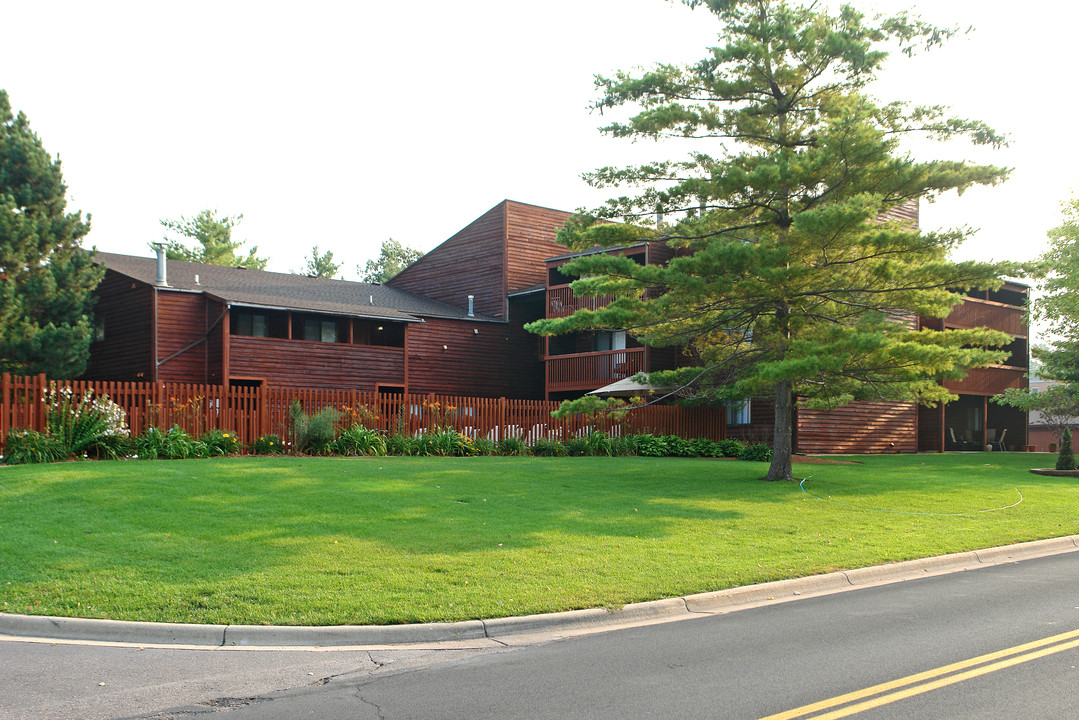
x=342 y=124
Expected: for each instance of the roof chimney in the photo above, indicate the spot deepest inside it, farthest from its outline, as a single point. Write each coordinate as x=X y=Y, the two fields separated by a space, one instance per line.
x=472 y=306
x=162 y=277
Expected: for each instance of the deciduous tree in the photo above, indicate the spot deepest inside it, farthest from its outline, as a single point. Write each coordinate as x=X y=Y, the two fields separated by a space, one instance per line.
x=790 y=277
x=46 y=277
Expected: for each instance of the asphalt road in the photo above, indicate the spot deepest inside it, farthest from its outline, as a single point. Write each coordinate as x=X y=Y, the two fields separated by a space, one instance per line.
x=954 y=646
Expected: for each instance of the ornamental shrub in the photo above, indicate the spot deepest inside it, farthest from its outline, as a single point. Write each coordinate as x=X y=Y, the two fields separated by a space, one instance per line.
x=546 y=447
x=86 y=424
x=31 y=446
x=313 y=434
x=625 y=446
x=703 y=447
x=268 y=445
x=649 y=445
x=1065 y=458
x=757 y=452
x=512 y=446
x=359 y=440
x=403 y=445
x=731 y=448
x=220 y=442
x=678 y=447
x=483 y=446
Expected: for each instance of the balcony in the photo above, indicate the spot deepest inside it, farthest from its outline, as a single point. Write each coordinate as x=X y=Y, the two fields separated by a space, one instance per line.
x=561 y=302
x=992 y=380
x=978 y=313
x=588 y=371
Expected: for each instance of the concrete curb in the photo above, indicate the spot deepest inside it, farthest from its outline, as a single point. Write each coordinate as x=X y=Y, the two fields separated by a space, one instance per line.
x=722 y=601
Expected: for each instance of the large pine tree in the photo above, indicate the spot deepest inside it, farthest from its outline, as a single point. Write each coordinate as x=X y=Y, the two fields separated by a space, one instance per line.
x=786 y=283
x=46 y=278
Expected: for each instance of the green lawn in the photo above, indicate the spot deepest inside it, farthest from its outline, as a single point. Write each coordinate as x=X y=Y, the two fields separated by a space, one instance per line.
x=390 y=540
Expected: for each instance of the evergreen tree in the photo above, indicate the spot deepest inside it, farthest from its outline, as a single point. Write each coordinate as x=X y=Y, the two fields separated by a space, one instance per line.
x=1065 y=458
x=789 y=279
x=392 y=259
x=214 y=237
x=322 y=265
x=46 y=277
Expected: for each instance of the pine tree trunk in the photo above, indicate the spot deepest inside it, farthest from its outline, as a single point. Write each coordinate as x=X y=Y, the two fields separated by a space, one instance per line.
x=782 y=440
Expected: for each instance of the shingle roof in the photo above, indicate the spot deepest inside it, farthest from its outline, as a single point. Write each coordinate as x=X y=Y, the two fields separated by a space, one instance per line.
x=260 y=288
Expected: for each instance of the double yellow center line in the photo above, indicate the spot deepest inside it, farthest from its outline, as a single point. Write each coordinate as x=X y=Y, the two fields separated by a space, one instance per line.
x=911 y=685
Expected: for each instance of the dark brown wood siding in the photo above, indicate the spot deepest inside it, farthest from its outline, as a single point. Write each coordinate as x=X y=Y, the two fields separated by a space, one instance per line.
x=530 y=240
x=181 y=323
x=126 y=353
x=456 y=357
x=931 y=437
x=472 y=262
x=761 y=427
x=859 y=428
x=303 y=363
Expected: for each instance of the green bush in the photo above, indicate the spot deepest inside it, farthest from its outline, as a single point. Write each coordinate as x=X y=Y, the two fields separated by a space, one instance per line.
x=360 y=440
x=313 y=434
x=731 y=448
x=624 y=446
x=678 y=447
x=703 y=447
x=403 y=445
x=483 y=446
x=757 y=452
x=268 y=445
x=600 y=445
x=220 y=442
x=649 y=445
x=577 y=447
x=31 y=446
x=1066 y=458
x=549 y=448
x=512 y=446
x=175 y=444
x=444 y=443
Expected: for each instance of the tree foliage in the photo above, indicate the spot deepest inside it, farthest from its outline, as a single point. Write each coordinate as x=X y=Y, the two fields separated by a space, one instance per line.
x=46 y=277
x=392 y=259
x=789 y=276
x=214 y=237
x=321 y=265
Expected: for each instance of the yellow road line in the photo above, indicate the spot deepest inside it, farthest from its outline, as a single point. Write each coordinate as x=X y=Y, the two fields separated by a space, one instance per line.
x=931 y=675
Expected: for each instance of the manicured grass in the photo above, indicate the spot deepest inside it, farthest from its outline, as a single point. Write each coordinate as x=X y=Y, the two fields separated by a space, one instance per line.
x=389 y=540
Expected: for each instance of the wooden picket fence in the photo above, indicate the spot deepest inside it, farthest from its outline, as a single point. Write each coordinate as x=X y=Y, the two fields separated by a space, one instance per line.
x=252 y=412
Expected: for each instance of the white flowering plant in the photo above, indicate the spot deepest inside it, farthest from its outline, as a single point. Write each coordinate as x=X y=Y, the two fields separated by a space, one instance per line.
x=89 y=423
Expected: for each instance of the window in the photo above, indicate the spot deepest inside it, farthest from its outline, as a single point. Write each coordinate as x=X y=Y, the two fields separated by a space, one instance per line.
x=609 y=340
x=251 y=324
x=99 y=329
x=319 y=330
x=738 y=413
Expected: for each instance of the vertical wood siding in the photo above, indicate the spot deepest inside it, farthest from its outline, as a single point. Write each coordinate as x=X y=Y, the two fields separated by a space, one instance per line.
x=181 y=322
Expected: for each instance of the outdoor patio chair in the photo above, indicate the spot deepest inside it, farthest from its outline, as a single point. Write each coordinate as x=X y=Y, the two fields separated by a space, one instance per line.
x=999 y=443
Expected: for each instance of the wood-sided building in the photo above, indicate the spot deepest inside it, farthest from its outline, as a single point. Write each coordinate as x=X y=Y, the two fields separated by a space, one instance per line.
x=211 y=324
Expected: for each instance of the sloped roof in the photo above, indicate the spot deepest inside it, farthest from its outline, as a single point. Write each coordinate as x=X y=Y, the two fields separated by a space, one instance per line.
x=264 y=289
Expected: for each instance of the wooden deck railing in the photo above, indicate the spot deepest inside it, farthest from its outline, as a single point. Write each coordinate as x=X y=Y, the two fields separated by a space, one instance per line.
x=983 y=313
x=588 y=371
x=989 y=381
x=561 y=302
x=252 y=412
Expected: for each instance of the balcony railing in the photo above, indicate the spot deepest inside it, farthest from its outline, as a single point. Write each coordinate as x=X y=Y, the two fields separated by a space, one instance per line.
x=588 y=371
x=978 y=313
x=561 y=302
x=989 y=381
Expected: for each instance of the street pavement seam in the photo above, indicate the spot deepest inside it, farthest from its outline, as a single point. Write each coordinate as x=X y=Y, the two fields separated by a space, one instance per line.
x=37 y=627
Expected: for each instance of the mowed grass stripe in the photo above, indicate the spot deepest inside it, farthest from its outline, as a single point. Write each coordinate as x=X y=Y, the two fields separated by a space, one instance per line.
x=389 y=540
